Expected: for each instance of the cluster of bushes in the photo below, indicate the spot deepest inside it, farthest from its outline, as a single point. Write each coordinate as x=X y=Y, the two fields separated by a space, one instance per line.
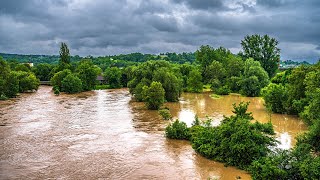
x=236 y=142
x=296 y=91
x=15 y=81
x=250 y=146
x=82 y=79
x=73 y=78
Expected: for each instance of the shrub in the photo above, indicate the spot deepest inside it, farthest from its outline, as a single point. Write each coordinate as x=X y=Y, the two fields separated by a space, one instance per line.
x=165 y=114
x=223 y=90
x=56 y=90
x=177 y=130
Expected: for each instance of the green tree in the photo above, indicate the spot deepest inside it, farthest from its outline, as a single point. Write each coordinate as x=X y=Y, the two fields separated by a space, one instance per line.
x=23 y=67
x=275 y=97
x=155 y=96
x=88 y=73
x=113 y=76
x=263 y=49
x=27 y=81
x=71 y=84
x=4 y=75
x=254 y=78
x=170 y=83
x=64 y=60
x=215 y=71
x=195 y=81
x=43 y=71
x=297 y=89
x=204 y=56
x=64 y=54
x=58 y=77
x=12 y=85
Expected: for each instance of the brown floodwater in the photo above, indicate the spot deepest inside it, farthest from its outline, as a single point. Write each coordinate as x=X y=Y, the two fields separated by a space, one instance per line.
x=104 y=135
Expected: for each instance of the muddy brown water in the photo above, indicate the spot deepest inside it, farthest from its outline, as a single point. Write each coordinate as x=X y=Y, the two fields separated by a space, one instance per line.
x=104 y=135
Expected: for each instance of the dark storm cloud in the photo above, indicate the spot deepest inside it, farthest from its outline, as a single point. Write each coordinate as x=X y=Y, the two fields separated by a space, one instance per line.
x=150 y=26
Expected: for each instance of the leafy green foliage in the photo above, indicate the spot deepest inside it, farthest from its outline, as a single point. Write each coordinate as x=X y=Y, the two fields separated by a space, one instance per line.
x=56 y=80
x=275 y=97
x=223 y=90
x=113 y=76
x=64 y=54
x=71 y=84
x=177 y=130
x=215 y=71
x=311 y=137
x=154 y=95
x=13 y=82
x=160 y=71
x=88 y=73
x=254 y=78
x=43 y=71
x=165 y=114
x=56 y=90
x=22 y=67
x=12 y=85
x=263 y=49
x=296 y=164
x=236 y=141
x=27 y=81
x=194 y=81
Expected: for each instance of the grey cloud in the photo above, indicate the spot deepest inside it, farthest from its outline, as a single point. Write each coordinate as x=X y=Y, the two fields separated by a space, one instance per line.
x=201 y=4
x=150 y=26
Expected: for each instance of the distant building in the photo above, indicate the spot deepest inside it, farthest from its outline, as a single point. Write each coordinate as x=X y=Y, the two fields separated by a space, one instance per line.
x=101 y=79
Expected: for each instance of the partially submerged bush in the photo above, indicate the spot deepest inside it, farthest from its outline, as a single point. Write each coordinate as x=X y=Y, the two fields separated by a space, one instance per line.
x=165 y=114
x=177 y=130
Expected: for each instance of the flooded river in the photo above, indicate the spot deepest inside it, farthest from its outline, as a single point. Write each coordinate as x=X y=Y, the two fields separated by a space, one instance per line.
x=104 y=135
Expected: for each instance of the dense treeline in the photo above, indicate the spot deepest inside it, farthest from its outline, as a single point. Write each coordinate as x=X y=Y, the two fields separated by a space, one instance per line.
x=16 y=79
x=296 y=91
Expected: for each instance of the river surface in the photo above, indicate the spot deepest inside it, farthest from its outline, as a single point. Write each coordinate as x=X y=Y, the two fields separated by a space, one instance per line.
x=105 y=135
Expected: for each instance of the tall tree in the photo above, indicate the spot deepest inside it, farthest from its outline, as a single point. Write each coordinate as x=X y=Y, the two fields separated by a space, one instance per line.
x=263 y=49
x=64 y=54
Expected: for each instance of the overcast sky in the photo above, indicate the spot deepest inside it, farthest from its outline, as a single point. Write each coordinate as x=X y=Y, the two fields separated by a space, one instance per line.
x=107 y=27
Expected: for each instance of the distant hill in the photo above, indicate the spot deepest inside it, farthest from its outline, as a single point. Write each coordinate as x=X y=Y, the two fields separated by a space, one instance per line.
x=132 y=57
x=291 y=64
x=36 y=59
